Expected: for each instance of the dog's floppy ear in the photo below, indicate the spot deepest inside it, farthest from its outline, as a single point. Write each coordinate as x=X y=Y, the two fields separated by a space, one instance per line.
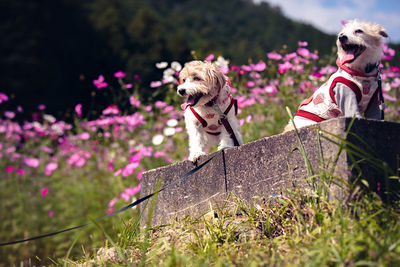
x=217 y=76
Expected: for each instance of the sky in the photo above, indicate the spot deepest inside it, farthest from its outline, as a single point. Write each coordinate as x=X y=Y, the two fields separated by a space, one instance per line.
x=326 y=15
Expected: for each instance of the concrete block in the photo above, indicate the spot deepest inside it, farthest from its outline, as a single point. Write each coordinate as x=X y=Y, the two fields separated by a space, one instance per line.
x=270 y=165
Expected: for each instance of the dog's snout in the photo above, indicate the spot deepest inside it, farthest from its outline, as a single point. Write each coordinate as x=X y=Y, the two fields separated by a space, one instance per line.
x=343 y=38
x=182 y=91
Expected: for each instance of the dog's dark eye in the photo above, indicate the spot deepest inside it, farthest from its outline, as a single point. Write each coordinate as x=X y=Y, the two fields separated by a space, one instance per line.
x=196 y=78
x=358 y=31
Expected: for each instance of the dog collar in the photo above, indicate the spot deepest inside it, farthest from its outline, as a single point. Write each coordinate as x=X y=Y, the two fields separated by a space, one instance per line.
x=354 y=72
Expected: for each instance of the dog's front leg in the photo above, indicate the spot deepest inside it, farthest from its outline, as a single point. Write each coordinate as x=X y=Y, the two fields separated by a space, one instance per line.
x=197 y=146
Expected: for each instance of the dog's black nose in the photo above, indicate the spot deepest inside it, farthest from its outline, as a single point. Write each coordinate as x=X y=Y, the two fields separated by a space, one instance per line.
x=182 y=91
x=343 y=38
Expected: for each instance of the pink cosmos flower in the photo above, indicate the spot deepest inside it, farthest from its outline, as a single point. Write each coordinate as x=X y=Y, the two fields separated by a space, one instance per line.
x=136 y=77
x=135 y=158
x=19 y=108
x=112 y=202
x=159 y=154
x=168 y=109
x=134 y=102
x=274 y=56
x=148 y=108
x=9 y=114
x=140 y=175
x=9 y=168
x=42 y=107
x=112 y=109
x=50 y=167
x=3 y=97
x=100 y=83
x=31 y=162
x=261 y=66
x=129 y=169
x=50 y=214
x=209 y=57
x=44 y=191
x=155 y=84
x=20 y=171
x=119 y=74
x=84 y=136
x=78 y=110
x=128 y=85
x=302 y=43
x=160 y=104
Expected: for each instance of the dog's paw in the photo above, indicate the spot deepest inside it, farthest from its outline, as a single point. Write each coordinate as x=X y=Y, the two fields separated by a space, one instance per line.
x=195 y=156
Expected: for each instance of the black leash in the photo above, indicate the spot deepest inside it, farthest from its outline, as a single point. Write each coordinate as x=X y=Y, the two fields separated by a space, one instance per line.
x=137 y=202
x=381 y=101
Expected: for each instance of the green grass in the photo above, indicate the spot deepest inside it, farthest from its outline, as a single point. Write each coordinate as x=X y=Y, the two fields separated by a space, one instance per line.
x=297 y=228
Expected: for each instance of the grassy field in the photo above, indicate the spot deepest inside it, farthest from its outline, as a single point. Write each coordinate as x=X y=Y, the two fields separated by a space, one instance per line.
x=58 y=175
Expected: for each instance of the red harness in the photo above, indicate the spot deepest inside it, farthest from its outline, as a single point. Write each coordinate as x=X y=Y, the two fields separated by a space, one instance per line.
x=344 y=81
x=204 y=122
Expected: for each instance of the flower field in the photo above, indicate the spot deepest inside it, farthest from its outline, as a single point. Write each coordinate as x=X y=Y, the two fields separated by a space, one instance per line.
x=57 y=174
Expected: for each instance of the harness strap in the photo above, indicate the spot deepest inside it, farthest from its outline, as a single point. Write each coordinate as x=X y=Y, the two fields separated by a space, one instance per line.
x=353 y=86
x=203 y=121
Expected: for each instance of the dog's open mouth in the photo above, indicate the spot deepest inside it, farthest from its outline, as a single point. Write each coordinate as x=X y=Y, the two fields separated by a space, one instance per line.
x=353 y=51
x=193 y=99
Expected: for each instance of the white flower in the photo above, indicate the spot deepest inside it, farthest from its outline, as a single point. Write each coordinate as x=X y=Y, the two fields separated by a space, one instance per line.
x=176 y=66
x=49 y=118
x=172 y=123
x=157 y=139
x=161 y=65
x=221 y=62
x=169 y=131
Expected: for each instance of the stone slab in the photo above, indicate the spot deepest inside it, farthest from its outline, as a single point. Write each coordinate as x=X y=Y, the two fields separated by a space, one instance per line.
x=270 y=165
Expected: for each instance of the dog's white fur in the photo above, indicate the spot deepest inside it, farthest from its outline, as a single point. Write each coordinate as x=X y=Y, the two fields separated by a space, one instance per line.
x=201 y=82
x=365 y=34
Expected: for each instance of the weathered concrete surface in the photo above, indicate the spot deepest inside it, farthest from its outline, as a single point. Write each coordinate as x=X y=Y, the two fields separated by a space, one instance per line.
x=268 y=166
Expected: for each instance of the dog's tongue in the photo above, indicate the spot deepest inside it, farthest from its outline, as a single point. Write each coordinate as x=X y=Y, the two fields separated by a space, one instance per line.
x=189 y=102
x=346 y=58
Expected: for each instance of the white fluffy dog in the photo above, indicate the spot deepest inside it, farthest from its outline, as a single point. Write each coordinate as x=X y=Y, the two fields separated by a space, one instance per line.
x=210 y=110
x=353 y=89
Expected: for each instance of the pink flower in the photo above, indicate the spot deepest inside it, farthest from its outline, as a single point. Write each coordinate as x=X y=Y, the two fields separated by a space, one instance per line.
x=9 y=114
x=129 y=169
x=158 y=154
x=100 y=83
x=3 y=97
x=160 y=104
x=112 y=109
x=136 y=77
x=44 y=191
x=148 y=108
x=119 y=75
x=259 y=66
x=9 y=168
x=140 y=175
x=50 y=167
x=42 y=107
x=302 y=43
x=155 y=84
x=110 y=210
x=274 y=56
x=209 y=58
x=20 y=171
x=78 y=110
x=134 y=102
x=168 y=109
x=290 y=56
x=304 y=52
x=31 y=162
x=135 y=158
x=128 y=85
x=84 y=136
x=50 y=214
x=112 y=202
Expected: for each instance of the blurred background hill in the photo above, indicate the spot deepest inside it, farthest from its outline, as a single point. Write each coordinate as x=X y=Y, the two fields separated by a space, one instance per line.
x=51 y=51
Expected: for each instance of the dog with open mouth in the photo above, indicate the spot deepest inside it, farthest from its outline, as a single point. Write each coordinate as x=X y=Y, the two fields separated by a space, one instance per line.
x=354 y=89
x=210 y=109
